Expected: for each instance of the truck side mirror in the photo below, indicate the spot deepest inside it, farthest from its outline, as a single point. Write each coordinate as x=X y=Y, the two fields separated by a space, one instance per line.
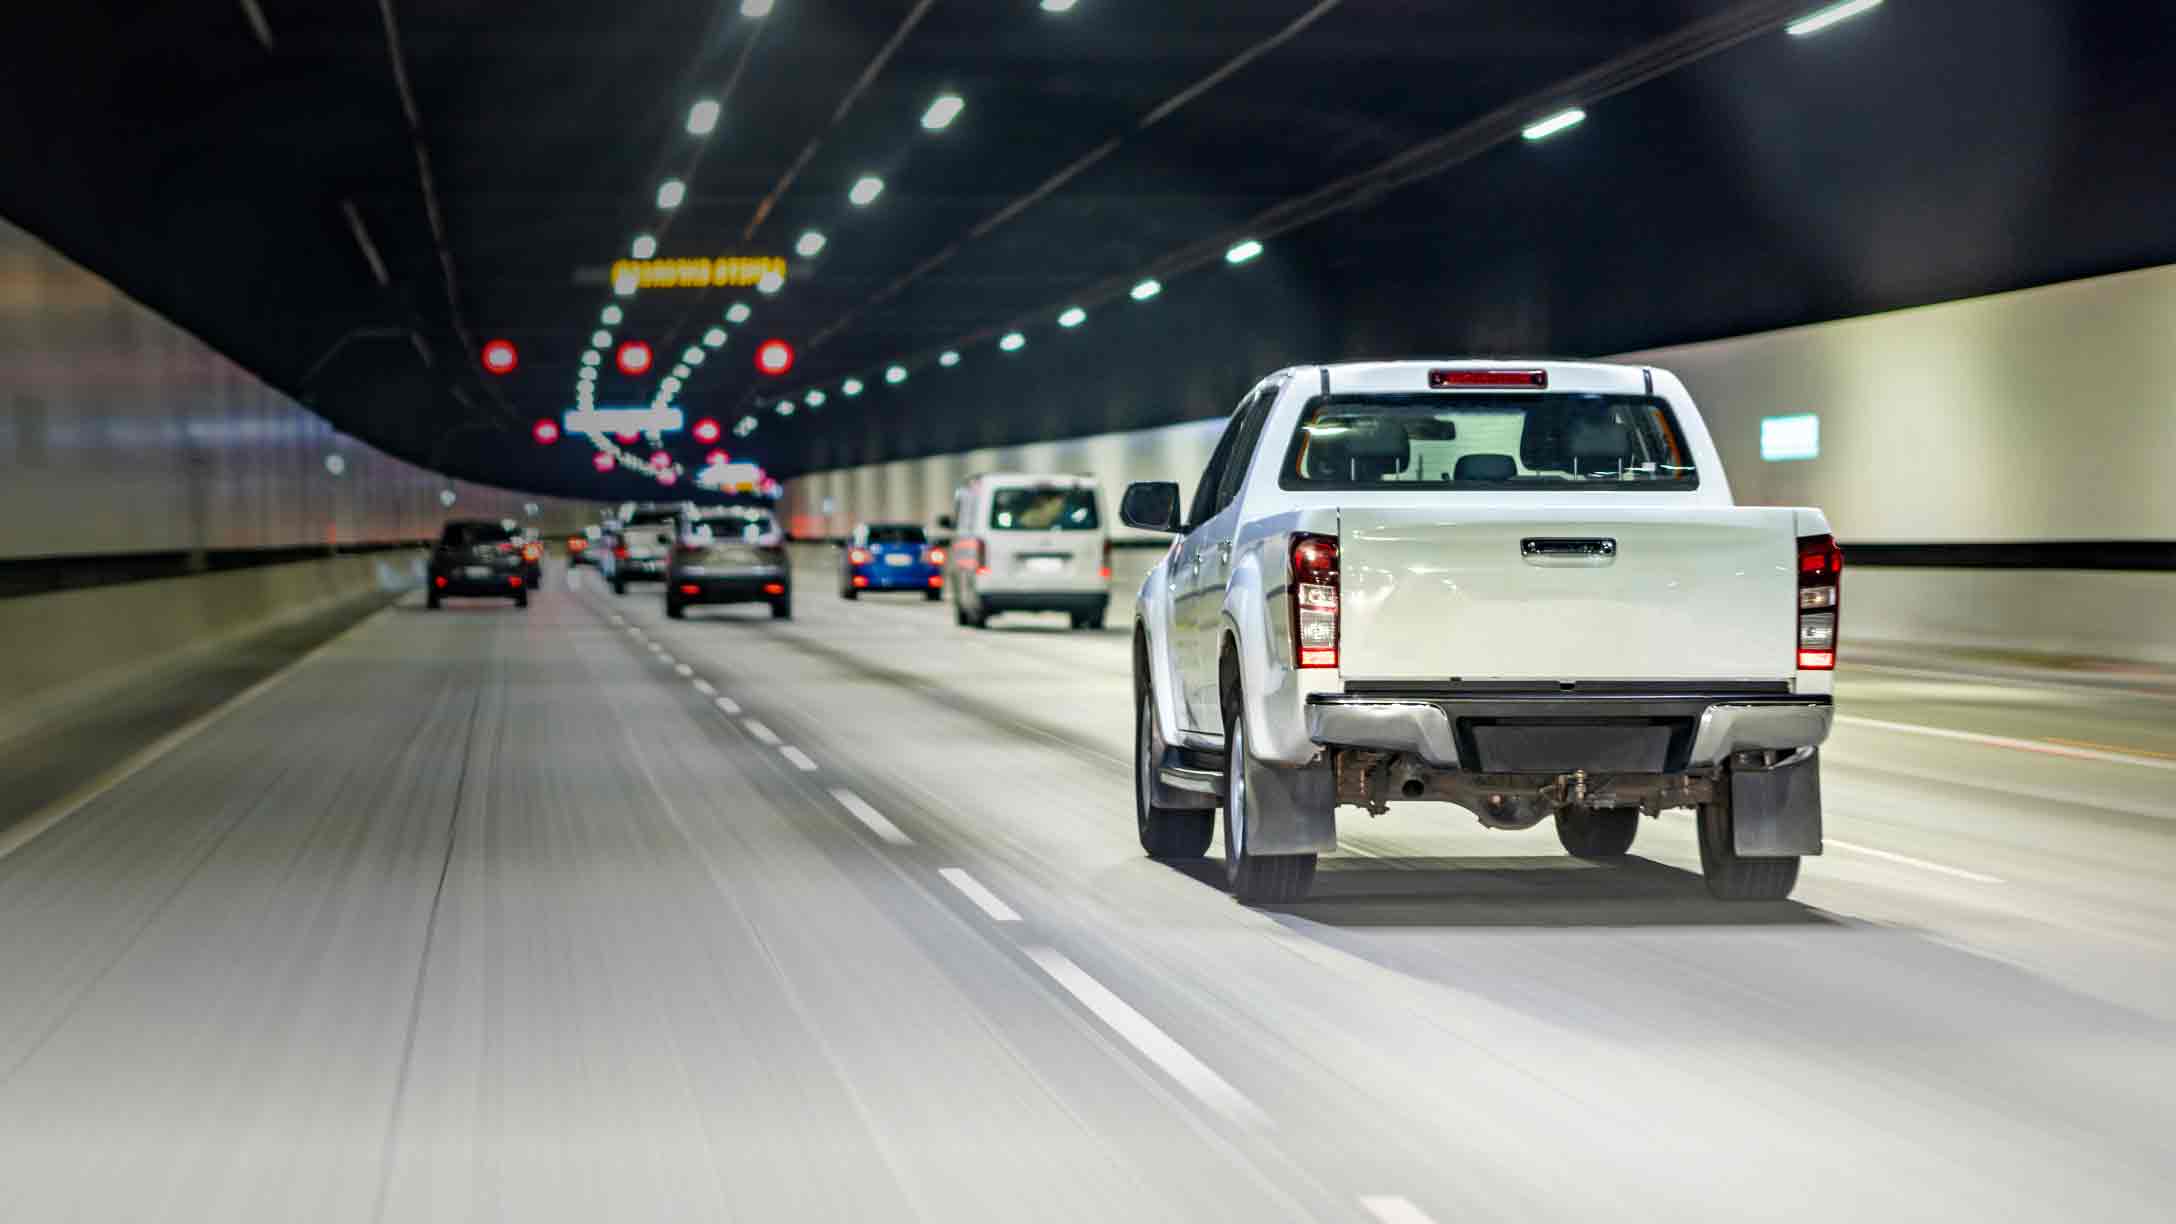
x=945 y=521
x=1151 y=505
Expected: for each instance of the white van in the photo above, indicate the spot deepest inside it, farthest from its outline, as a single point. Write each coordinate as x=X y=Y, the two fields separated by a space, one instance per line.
x=1027 y=543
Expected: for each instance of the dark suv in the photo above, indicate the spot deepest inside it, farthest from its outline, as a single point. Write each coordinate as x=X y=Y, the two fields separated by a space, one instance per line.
x=478 y=557
x=728 y=554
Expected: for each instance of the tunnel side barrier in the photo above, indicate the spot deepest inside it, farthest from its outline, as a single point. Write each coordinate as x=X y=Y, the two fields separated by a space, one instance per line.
x=70 y=650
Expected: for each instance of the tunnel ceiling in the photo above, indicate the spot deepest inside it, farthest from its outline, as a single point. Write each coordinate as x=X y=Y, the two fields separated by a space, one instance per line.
x=249 y=170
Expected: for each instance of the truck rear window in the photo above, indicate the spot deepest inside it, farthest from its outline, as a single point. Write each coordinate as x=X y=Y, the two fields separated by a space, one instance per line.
x=1461 y=440
x=1043 y=509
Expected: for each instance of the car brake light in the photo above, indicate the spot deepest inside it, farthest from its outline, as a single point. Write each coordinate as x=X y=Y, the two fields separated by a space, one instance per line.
x=982 y=554
x=858 y=556
x=440 y=581
x=1820 y=586
x=936 y=580
x=1106 y=571
x=933 y=556
x=515 y=581
x=860 y=581
x=532 y=553
x=1314 y=600
x=689 y=588
x=620 y=551
x=774 y=588
x=576 y=544
x=1440 y=379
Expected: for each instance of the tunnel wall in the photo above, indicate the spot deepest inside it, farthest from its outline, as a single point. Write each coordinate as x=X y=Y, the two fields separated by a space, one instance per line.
x=122 y=433
x=2043 y=414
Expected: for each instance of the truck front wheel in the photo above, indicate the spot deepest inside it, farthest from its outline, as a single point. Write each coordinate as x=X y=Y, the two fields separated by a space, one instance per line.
x=1597 y=833
x=1730 y=876
x=1166 y=833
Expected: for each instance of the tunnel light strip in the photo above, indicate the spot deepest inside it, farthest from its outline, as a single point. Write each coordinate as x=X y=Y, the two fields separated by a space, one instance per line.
x=1568 y=118
x=1821 y=19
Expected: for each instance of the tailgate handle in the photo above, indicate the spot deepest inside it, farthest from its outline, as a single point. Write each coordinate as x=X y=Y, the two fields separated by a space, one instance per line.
x=1560 y=551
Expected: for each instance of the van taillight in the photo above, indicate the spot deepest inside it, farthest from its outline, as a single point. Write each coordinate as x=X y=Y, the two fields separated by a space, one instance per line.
x=1314 y=600
x=1820 y=579
x=981 y=550
x=1106 y=574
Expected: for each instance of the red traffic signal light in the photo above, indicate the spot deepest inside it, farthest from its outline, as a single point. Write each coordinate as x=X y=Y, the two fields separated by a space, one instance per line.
x=705 y=431
x=774 y=357
x=602 y=461
x=634 y=358
x=500 y=357
x=545 y=432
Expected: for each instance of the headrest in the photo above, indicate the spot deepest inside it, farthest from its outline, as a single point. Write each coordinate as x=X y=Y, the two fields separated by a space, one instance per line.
x=1484 y=467
x=1377 y=449
x=1593 y=442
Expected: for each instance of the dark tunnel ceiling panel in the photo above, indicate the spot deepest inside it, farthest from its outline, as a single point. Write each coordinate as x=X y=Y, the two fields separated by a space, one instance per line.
x=1925 y=152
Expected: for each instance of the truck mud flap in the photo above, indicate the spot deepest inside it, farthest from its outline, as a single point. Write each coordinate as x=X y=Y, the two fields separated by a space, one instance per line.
x=1291 y=811
x=1776 y=812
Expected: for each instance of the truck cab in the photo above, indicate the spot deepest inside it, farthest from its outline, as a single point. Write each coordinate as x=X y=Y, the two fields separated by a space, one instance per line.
x=1519 y=587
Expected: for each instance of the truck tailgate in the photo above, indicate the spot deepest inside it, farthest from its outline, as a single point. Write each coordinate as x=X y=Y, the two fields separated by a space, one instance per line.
x=1567 y=593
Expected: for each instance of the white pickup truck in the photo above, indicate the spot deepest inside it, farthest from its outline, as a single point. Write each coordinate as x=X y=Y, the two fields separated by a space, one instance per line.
x=1521 y=587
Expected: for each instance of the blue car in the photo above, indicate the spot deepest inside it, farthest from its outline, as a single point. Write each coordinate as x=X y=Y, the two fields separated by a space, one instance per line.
x=891 y=557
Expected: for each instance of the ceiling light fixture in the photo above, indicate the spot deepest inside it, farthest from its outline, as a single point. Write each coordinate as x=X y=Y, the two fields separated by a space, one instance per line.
x=895 y=375
x=670 y=193
x=1074 y=316
x=1147 y=289
x=612 y=316
x=943 y=111
x=703 y=118
x=737 y=313
x=591 y=358
x=865 y=190
x=714 y=337
x=809 y=244
x=1241 y=252
x=626 y=281
x=850 y=388
x=771 y=283
x=755 y=8
x=1013 y=342
x=693 y=356
x=600 y=339
x=679 y=371
x=1569 y=117
x=814 y=398
x=948 y=359
x=1058 y=6
x=1815 y=22
x=644 y=246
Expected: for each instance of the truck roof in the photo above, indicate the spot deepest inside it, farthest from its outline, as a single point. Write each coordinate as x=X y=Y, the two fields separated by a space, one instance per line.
x=1598 y=377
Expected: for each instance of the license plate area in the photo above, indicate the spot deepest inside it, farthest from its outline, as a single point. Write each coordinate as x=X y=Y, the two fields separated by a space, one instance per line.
x=1555 y=747
x=1045 y=563
x=897 y=559
x=477 y=573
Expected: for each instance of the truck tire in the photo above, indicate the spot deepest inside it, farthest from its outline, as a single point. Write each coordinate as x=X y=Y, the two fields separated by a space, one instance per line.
x=1731 y=877
x=1597 y=833
x=933 y=594
x=674 y=609
x=522 y=600
x=619 y=586
x=782 y=608
x=1255 y=879
x=1166 y=833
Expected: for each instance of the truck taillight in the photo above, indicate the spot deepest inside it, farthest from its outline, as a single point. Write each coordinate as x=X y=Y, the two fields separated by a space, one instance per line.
x=1820 y=583
x=1314 y=600
x=1106 y=572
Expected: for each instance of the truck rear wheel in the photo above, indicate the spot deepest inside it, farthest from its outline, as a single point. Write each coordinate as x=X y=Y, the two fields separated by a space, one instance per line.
x=1255 y=879
x=1597 y=833
x=1730 y=876
x=1166 y=833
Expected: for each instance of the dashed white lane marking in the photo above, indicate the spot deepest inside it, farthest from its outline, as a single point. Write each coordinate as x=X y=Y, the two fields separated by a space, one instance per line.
x=760 y=731
x=617 y=619
x=683 y=669
x=1909 y=861
x=801 y=760
x=669 y=661
x=728 y=705
x=656 y=649
x=1154 y=1044
x=1394 y=1209
x=2044 y=747
x=870 y=816
x=985 y=900
x=706 y=688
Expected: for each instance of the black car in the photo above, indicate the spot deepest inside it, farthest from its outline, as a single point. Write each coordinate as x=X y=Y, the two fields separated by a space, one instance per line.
x=478 y=557
x=728 y=554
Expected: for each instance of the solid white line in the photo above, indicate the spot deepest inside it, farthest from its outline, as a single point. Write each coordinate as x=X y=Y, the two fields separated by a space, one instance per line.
x=706 y=688
x=25 y=831
x=729 y=705
x=683 y=669
x=985 y=900
x=1394 y=1209
x=2004 y=741
x=760 y=731
x=1142 y=1034
x=870 y=816
x=1909 y=861
x=801 y=760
